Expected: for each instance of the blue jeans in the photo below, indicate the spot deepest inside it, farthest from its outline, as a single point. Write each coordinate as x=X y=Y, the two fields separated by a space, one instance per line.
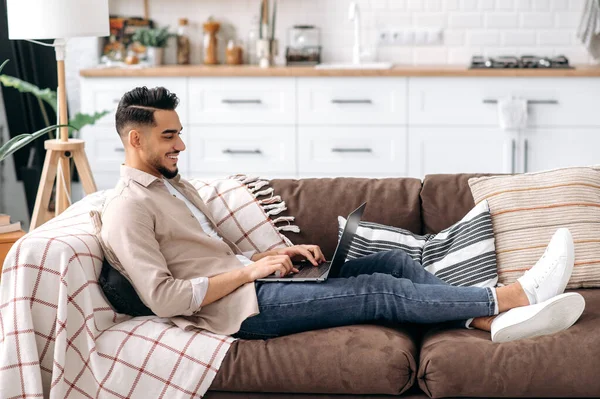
x=383 y=287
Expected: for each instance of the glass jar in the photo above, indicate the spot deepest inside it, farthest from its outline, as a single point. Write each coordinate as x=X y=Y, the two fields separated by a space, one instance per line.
x=183 y=42
x=210 y=42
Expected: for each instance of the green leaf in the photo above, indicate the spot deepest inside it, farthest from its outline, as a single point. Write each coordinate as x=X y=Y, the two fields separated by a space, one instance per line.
x=149 y=37
x=80 y=120
x=22 y=140
x=46 y=95
x=2 y=66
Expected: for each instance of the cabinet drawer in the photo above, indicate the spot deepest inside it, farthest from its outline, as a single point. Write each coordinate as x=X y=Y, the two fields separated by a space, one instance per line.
x=242 y=101
x=376 y=101
x=352 y=150
x=473 y=101
x=100 y=94
x=248 y=150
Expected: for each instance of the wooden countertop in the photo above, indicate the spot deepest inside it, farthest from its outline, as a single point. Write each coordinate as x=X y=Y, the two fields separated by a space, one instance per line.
x=398 y=70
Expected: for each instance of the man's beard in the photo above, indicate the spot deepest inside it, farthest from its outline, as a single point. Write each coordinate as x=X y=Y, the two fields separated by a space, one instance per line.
x=169 y=174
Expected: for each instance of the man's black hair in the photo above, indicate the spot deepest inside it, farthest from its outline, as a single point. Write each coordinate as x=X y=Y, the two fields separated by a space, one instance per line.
x=137 y=107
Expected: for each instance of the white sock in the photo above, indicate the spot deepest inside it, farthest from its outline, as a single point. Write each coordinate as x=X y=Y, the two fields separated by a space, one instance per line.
x=529 y=294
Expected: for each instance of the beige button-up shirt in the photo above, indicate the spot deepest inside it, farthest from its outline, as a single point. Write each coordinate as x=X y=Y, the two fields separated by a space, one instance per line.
x=161 y=247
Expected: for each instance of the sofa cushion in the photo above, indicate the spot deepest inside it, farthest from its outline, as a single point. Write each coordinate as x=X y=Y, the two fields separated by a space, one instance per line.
x=527 y=210
x=463 y=362
x=462 y=255
x=445 y=199
x=316 y=203
x=356 y=359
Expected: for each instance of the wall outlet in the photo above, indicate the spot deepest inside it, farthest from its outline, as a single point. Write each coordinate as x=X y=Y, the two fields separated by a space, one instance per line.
x=410 y=36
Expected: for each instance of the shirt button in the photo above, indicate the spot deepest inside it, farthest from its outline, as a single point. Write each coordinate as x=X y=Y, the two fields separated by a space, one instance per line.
x=229 y=253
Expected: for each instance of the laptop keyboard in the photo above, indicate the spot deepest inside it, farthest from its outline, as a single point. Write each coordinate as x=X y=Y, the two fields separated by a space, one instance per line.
x=307 y=271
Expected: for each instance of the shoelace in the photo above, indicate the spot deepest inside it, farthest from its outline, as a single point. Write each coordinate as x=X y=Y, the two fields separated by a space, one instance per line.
x=538 y=278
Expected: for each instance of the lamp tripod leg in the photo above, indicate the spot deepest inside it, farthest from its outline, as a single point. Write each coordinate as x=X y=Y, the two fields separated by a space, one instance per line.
x=85 y=172
x=40 y=210
x=63 y=185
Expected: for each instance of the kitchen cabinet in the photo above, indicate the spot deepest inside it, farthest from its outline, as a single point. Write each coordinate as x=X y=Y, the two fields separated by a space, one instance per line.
x=331 y=151
x=251 y=150
x=352 y=101
x=547 y=148
x=452 y=125
x=461 y=150
x=242 y=100
x=296 y=127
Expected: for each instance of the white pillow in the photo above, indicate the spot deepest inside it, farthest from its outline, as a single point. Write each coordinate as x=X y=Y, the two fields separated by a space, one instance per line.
x=463 y=254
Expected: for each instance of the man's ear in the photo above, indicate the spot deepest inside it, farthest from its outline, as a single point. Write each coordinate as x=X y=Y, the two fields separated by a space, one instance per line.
x=134 y=138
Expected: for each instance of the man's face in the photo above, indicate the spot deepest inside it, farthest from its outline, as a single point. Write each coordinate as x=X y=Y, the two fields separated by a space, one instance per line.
x=162 y=144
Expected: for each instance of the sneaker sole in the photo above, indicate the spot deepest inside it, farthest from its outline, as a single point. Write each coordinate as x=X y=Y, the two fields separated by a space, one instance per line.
x=560 y=313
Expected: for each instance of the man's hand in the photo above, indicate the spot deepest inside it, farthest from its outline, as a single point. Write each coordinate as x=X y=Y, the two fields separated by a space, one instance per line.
x=312 y=253
x=268 y=265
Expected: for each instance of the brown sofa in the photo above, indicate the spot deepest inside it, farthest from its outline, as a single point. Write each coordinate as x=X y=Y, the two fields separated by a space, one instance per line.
x=415 y=361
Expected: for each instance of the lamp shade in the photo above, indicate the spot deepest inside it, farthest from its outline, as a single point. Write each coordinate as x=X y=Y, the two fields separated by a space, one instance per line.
x=57 y=19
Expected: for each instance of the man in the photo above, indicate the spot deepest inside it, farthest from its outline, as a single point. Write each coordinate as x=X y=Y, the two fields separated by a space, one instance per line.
x=181 y=267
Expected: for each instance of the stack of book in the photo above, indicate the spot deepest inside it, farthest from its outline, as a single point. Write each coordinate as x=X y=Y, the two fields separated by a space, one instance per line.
x=6 y=226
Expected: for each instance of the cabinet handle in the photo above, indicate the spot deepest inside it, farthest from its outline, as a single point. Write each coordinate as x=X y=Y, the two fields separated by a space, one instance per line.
x=230 y=151
x=525 y=161
x=240 y=101
x=351 y=150
x=119 y=149
x=351 y=101
x=494 y=101
x=513 y=156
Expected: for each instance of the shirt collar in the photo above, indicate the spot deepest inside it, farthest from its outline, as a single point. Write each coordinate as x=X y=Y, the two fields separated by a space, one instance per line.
x=141 y=177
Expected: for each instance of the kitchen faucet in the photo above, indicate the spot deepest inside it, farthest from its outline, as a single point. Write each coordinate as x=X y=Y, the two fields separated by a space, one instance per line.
x=354 y=15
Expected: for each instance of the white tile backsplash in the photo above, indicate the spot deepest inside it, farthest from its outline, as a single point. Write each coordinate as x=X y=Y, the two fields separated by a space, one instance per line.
x=487 y=27
x=493 y=25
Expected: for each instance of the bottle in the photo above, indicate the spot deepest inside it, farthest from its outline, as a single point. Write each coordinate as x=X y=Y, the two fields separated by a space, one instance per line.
x=252 y=59
x=211 y=27
x=183 y=42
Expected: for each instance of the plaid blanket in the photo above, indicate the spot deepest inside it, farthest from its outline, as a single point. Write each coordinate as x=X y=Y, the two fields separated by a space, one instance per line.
x=59 y=338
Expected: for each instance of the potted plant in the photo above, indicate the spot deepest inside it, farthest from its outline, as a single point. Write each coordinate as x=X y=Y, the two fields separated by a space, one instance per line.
x=155 y=40
x=43 y=96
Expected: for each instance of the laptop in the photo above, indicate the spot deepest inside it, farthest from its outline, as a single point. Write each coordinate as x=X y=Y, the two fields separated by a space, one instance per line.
x=309 y=273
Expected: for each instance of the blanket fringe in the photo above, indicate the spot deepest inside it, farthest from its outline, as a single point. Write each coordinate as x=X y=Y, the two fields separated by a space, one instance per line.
x=272 y=205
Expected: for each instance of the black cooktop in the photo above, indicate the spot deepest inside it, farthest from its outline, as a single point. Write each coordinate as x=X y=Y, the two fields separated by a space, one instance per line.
x=524 y=61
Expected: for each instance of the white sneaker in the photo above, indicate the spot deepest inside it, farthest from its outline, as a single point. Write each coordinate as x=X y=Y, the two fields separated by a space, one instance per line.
x=556 y=314
x=550 y=275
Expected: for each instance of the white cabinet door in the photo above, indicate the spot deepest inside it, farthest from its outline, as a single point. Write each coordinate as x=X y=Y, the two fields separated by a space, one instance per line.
x=559 y=147
x=443 y=101
x=221 y=150
x=352 y=151
x=460 y=150
x=242 y=101
x=351 y=100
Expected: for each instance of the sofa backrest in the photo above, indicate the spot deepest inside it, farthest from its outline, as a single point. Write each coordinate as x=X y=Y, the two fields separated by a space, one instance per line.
x=428 y=207
x=445 y=199
x=316 y=204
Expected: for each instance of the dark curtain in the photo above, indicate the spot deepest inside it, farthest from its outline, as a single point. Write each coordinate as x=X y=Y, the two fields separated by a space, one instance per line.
x=35 y=64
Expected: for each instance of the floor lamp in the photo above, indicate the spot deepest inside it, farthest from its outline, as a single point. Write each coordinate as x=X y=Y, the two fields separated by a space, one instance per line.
x=58 y=20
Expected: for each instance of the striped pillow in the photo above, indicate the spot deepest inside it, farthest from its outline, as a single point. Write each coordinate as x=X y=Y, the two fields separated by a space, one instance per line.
x=461 y=255
x=528 y=208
